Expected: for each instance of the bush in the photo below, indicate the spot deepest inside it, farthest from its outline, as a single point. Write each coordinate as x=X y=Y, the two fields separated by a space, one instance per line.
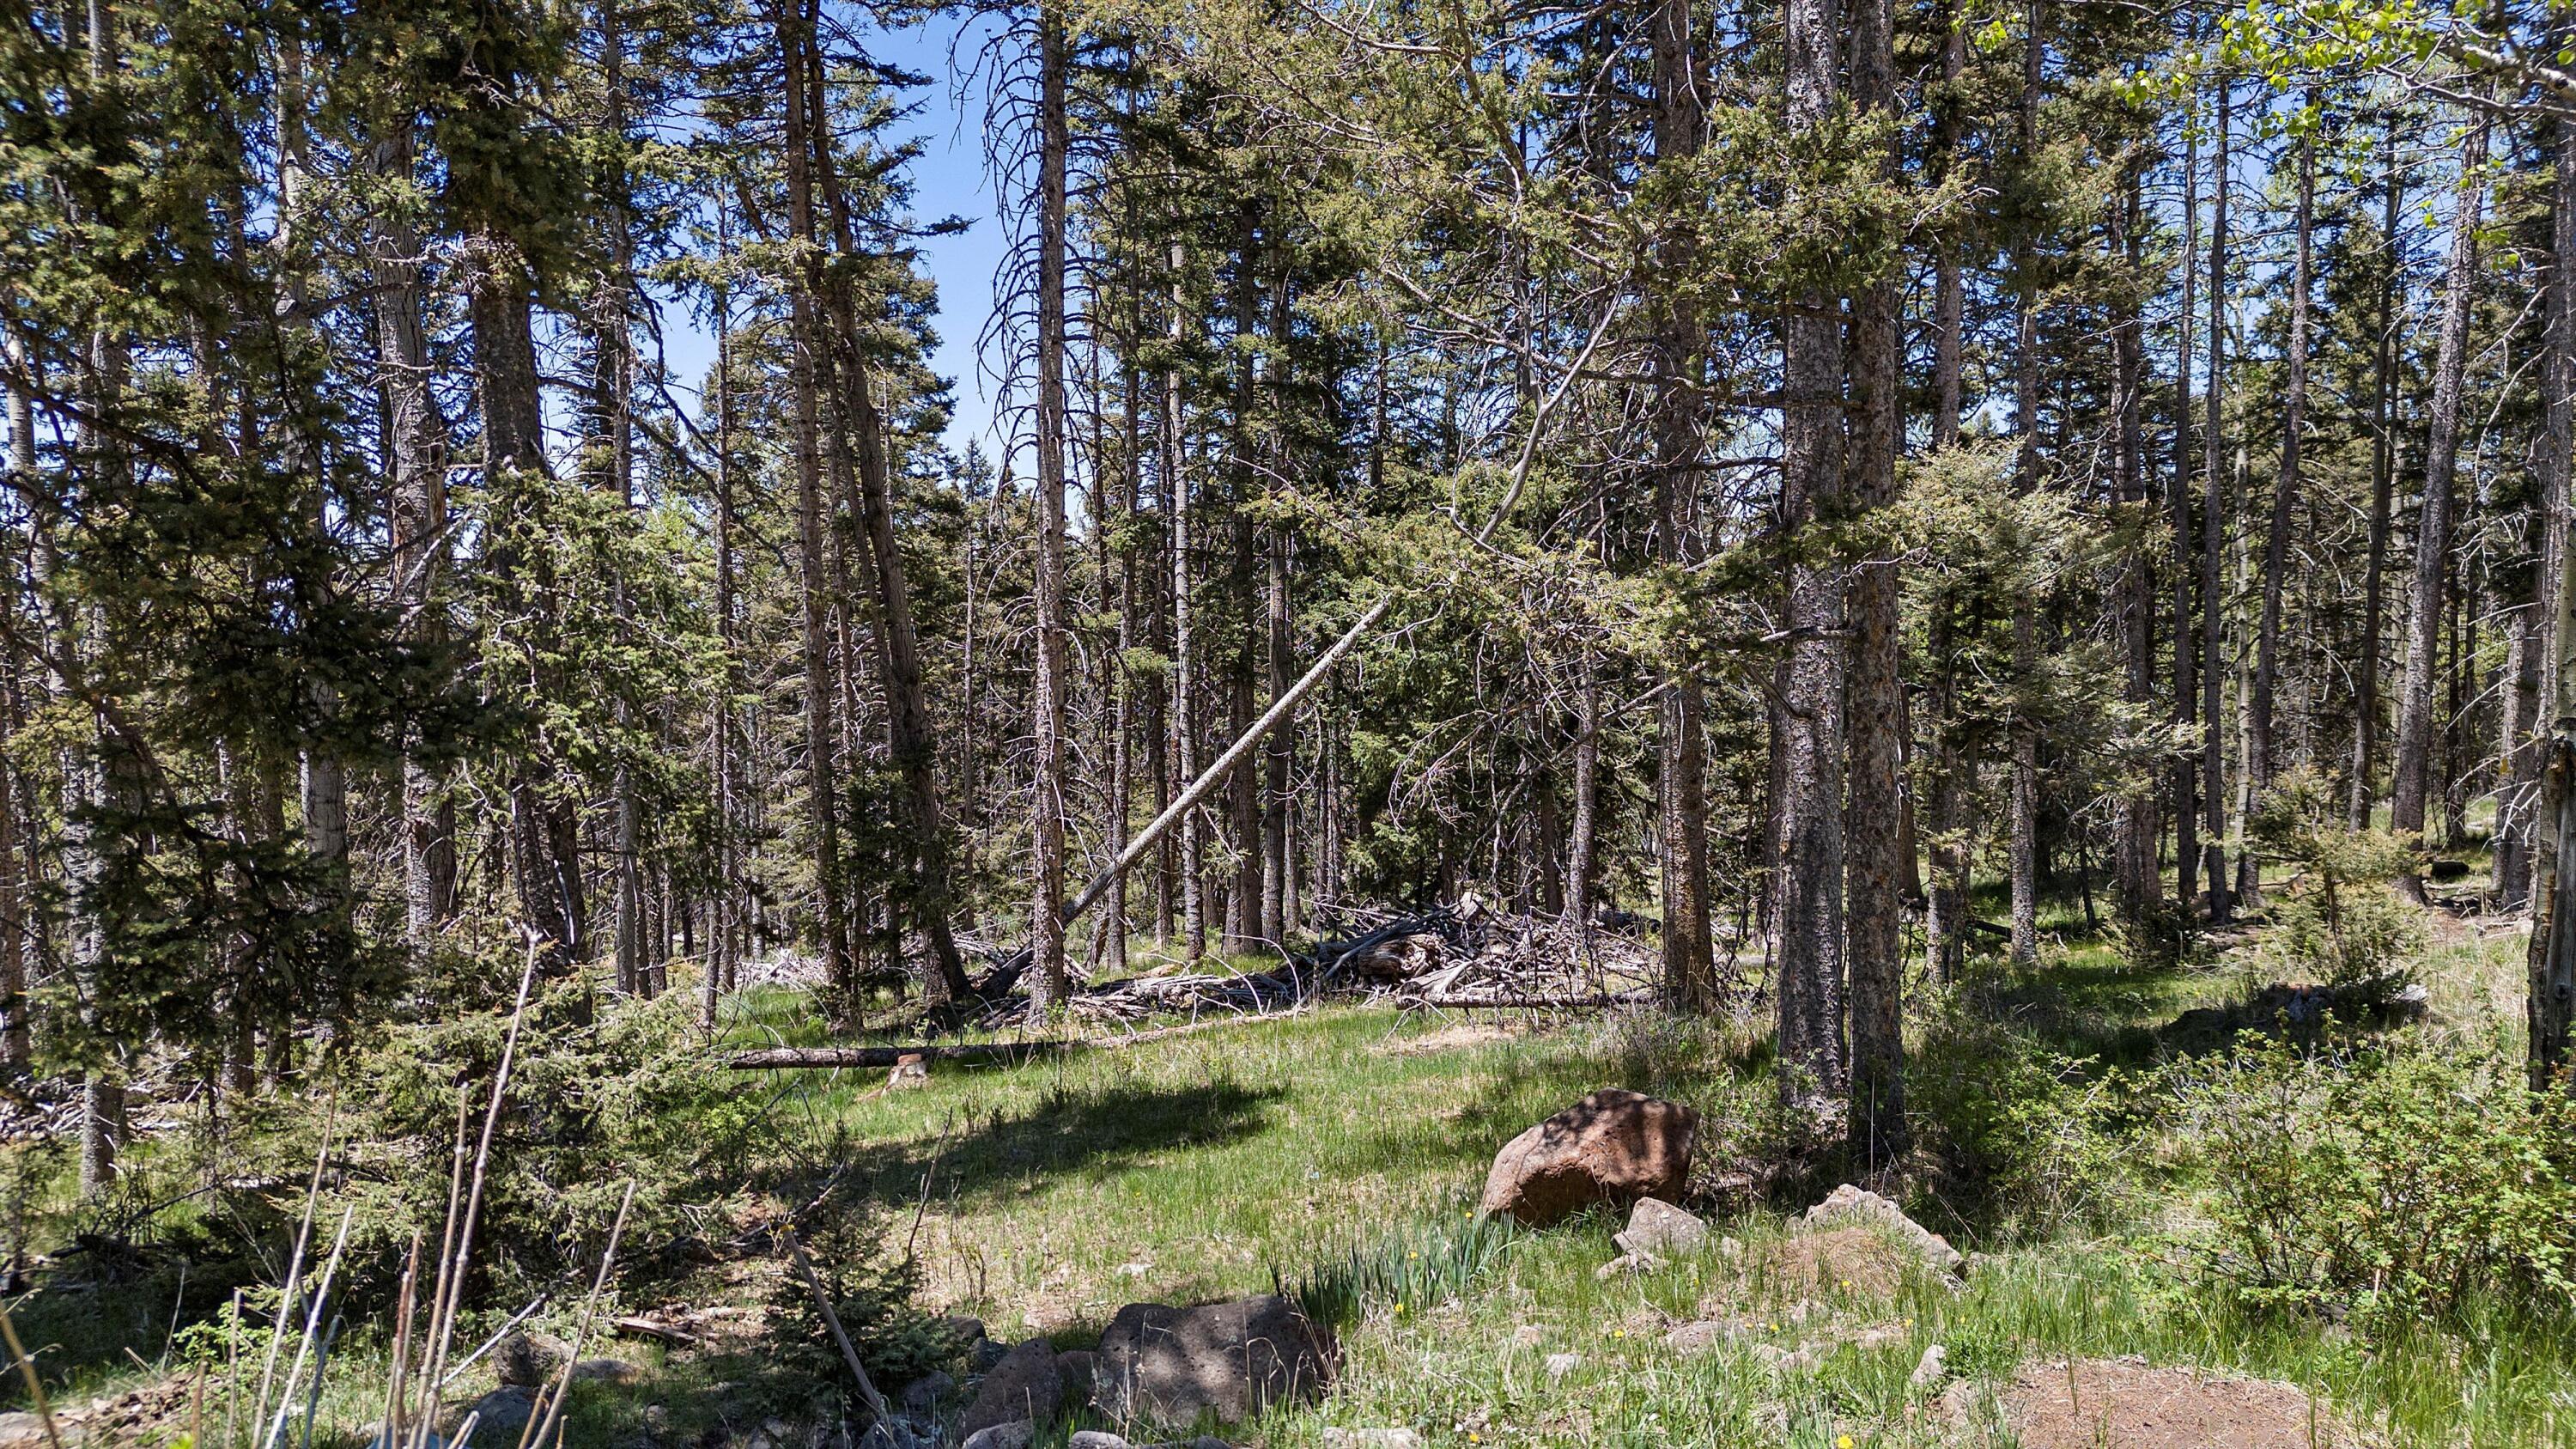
x=2338 y=922
x=2025 y=1132
x=2382 y=1182
x=872 y=1294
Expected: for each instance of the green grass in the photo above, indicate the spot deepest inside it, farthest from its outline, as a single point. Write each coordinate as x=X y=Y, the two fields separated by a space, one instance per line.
x=1337 y=1153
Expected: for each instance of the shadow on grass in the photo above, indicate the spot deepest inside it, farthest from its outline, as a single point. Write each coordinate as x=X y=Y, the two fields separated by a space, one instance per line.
x=1073 y=1130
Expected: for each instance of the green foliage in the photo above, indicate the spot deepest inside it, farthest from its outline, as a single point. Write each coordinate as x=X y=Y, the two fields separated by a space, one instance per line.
x=2338 y=921
x=604 y=1090
x=2383 y=1182
x=2030 y=1136
x=872 y=1291
x=1406 y=1271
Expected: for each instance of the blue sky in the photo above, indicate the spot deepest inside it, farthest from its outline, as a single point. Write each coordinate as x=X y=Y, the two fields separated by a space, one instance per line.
x=948 y=180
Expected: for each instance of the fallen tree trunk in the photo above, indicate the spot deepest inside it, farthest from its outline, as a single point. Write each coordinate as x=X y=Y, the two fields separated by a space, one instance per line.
x=769 y=1059
x=1504 y=1003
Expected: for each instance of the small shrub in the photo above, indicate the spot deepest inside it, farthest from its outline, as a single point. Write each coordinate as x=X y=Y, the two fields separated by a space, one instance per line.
x=2338 y=921
x=2021 y=1127
x=873 y=1294
x=2382 y=1182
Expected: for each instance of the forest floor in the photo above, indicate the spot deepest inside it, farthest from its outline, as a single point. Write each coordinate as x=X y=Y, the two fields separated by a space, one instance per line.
x=1345 y=1145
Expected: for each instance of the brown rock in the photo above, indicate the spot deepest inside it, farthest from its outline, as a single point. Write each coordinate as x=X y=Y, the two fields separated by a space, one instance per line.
x=1024 y=1385
x=1614 y=1146
x=1174 y=1367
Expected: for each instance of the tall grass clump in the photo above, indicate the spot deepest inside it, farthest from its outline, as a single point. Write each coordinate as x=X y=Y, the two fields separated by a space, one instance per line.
x=1409 y=1268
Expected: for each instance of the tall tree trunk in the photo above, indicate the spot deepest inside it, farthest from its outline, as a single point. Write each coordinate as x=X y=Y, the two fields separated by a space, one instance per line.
x=1185 y=715
x=2383 y=485
x=1243 y=787
x=1690 y=976
x=1945 y=915
x=2023 y=853
x=2186 y=805
x=1581 y=867
x=724 y=926
x=416 y=515
x=2259 y=764
x=2213 y=536
x=2433 y=531
x=2138 y=827
x=807 y=362
x=1279 y=754
x=613 y=441
x=911 y=736
x=2551 y=1003
x=1875 y=934
x=1047 y=985
x=16 y=941
x=546 y=873
x=1810 y=873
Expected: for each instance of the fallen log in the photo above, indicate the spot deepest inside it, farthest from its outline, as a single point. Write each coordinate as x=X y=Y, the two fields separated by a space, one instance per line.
x=1578 y=1002
x=788 y=1058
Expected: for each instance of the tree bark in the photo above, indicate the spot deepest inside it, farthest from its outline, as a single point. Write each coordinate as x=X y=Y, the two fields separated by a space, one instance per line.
x=2023 y=851
x=1185 y=716
x=807 y=361
x=2425 y=605
x=2383 y=483
x=2285 y=494
x=1878 y=845
x=2551 y=1003
x=2213 y=539
x=1690 y=976
x=2138 y=828
x=1810 y=872
x=1048 y=987
x=911 y=735
x=2186 y=805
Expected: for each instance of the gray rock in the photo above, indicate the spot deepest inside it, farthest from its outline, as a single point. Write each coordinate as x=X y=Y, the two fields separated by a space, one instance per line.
x=1848 y=1204
x=1656 y=1226
x=923 y=1394
x=1024 y=1385
x=528 y=1358
x=1017 y=1434
x=1075 y=1367
x=1174 y=1367
x=1701 y=1336
x=1628 y=1264
x=606 y=1371
x=1095 y=1439
x=502 y=1415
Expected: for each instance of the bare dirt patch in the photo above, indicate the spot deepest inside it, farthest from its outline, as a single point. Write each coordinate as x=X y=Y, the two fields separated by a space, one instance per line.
x=1847 y=1260
x=2135 y=1405
x=1446 y=1039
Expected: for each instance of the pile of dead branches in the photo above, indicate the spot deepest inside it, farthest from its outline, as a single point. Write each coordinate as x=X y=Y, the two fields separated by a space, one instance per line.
x=1471 y=955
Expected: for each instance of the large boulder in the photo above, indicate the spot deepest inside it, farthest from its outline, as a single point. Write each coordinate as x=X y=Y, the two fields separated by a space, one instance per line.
x=1614 y=1146
x=1024 y=1385
x=1174 y=1368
